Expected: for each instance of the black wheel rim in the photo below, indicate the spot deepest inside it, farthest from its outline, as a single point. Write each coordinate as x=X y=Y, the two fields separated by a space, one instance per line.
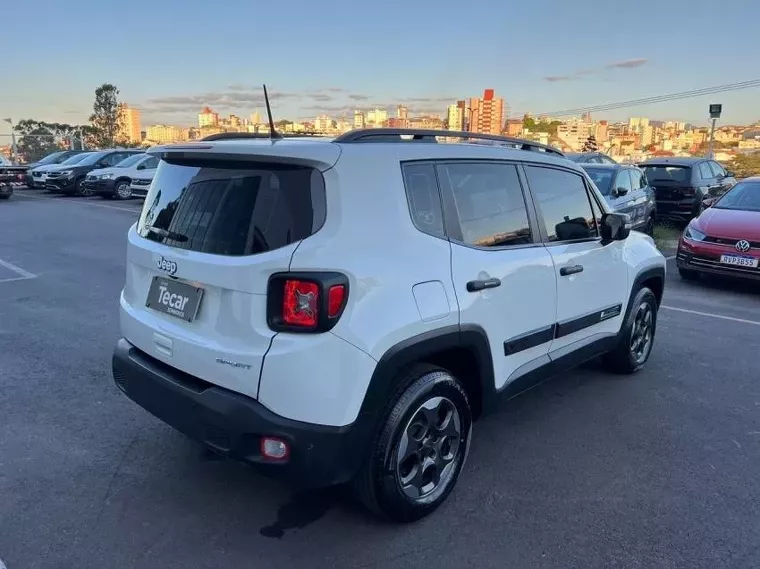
x=123 y=191
x=427 y=452
x=82 y=190
x=642 y=333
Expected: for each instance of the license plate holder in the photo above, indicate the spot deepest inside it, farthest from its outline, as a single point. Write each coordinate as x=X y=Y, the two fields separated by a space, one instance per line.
x=174 y=298
x=739 y=261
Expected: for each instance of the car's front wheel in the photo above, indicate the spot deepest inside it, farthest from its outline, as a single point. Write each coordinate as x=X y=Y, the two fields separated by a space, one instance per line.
x=636 y=337
x=421 y=446
x=80 y=189
x=123 y=190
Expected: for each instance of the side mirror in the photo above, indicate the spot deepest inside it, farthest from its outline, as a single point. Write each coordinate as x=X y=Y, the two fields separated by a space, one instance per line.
x=729 y=174
x=620 y=191
x=615 y=227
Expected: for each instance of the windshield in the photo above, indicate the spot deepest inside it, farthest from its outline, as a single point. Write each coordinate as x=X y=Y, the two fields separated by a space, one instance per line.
x=131 y=161
x=50 y=158
x=743 y=196
x=76 y=159
x=91 y=158
x=667 y=173
x=602 y=177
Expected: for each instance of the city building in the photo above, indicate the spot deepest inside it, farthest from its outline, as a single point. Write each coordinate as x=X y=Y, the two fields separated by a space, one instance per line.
x=323 y=123
x=514 y=127
x=163 y=133
x=574 y=133
x=129 y=119
x=377 y=118
x=402 y=112
x=455 y=116
x=486 y=113
x=207 y=117
x=359 y=119
x=635 y=123
x=255 y=118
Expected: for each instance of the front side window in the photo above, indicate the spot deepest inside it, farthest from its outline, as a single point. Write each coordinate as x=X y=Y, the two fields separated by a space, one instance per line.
x=705 y=172
x=223 y=208
x=489 y=202
x=602 y=178
x=717 y=170
x=563 y=200
x=637 y=179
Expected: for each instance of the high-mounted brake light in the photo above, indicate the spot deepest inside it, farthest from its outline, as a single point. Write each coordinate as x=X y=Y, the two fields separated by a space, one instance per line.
x=305 y=301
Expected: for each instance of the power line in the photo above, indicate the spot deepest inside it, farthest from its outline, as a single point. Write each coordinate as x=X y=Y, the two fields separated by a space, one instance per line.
x=657 y=99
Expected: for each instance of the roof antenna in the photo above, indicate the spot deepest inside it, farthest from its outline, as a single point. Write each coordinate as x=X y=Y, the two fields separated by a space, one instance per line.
x=273 y=134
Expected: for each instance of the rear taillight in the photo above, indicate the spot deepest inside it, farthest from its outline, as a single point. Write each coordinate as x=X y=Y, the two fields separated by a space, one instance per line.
x=305 y=301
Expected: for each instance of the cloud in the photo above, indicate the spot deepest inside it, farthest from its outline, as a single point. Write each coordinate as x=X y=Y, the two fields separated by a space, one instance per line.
x=322 y=97
x=624 y=64
x=627 y=63
x=358 y=97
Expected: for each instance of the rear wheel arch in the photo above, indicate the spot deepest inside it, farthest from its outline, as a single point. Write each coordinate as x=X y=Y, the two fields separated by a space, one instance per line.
x=463 y=351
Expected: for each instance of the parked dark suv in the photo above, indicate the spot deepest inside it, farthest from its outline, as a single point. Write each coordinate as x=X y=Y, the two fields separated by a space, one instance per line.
x=71 y=180
x=626 y=189
x=681 y=184
x=589 y=158
x=33 y=177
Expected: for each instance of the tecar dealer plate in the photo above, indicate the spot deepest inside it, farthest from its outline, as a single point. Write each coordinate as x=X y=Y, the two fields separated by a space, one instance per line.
x=174 y=298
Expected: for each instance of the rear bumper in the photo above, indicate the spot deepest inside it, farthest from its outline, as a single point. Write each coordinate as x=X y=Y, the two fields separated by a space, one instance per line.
x=681 y=209
x=232 y=424
x=705 y=258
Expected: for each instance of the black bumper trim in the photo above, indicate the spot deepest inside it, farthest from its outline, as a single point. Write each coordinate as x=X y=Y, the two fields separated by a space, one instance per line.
x=232 y=424
x=690 y=262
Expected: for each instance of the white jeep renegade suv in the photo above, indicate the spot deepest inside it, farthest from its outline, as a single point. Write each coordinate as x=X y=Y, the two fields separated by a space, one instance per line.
x=341 y=310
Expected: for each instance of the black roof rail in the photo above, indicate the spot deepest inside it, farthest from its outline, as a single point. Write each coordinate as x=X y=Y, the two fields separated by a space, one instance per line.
x=431 y=135
x=259 y=135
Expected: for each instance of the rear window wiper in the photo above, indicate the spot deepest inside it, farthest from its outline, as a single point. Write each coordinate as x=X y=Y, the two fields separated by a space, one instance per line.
x=173 y=235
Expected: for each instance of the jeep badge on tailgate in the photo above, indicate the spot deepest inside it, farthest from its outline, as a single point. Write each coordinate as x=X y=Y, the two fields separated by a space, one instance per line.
x=168 y=266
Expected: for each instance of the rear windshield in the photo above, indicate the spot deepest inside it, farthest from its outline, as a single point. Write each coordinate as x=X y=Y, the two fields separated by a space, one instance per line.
x=225 y=208
x=667 y=173
x=602 y=178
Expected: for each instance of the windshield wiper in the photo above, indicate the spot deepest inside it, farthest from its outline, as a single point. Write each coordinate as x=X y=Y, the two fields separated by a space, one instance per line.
x=173 y=235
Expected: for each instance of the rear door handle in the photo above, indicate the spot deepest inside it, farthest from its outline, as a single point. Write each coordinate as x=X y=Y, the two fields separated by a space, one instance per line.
x=571 y=270
x=475 y=286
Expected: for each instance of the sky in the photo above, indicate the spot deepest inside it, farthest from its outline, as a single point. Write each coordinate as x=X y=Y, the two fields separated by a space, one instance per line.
x=170 y=58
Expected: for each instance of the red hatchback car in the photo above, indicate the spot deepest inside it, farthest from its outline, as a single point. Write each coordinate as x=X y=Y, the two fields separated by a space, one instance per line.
x=725 y=238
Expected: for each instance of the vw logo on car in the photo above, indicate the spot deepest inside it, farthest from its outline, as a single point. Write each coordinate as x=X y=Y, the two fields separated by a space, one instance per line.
x=742 y=246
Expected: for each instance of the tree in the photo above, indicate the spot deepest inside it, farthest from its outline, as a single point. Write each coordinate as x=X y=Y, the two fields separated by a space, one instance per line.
x=745 y=165
x=590 y=145
x=106 y=120
x=38 y=139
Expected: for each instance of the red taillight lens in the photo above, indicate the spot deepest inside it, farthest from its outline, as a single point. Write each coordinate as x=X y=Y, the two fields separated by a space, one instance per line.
x=300 y=304
x=335 y=298
x=306 y=302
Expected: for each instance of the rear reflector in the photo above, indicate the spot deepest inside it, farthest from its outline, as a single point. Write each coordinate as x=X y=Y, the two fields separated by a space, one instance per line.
x=335 y=299
x=274 y=448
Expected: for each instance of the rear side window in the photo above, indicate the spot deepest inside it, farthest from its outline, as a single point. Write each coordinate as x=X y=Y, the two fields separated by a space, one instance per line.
x=637 y=179
x=489 y=202
x=224 y=208
x=564 y=203
x=705 y=172
x=424 y=200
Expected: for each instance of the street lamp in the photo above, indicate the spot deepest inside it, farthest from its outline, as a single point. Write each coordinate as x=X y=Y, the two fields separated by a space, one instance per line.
x=13 y=140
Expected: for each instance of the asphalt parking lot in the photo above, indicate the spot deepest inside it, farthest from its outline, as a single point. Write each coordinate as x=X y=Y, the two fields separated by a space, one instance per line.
x=587 y=471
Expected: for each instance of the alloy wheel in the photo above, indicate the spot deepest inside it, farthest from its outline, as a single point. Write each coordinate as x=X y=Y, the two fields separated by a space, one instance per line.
x=123 y=190
x=82 y=190
x=427 y=451
x=642 y=333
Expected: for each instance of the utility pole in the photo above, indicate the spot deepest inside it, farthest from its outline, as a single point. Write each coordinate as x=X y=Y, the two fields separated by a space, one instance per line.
x=13 y=140
x=715 y=111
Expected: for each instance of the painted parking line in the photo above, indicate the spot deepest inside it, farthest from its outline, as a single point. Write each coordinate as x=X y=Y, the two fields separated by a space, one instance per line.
x=22 y=275
x=712 y=315
x=65 y=200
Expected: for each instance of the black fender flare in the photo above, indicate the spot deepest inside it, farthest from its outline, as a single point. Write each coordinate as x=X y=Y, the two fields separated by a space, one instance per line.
x=642 y=277
x=385 y=379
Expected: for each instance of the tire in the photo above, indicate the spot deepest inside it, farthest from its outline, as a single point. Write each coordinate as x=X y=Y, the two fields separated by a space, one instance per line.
x=5 y=196
x=390 y=479
x=80 y=190
x=628 y=357
x=649 y=227
x=688 y=275
x=122 y=191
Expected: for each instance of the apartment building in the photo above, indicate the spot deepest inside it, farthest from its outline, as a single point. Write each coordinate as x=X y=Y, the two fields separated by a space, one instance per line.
x=164 y=133
x=486 y=113
x=207 y=117
x=129 y=119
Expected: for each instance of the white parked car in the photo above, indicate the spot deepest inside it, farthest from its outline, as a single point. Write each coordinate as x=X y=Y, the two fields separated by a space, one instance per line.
x=141 y=183
x=342 y=310
x=116 y=181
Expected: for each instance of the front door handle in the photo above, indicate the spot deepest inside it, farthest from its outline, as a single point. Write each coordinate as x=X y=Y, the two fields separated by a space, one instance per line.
x=475 y=286
x=571 y=270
